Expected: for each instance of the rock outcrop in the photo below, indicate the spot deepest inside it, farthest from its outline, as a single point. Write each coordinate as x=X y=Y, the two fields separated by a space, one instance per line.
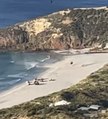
x=71 y=28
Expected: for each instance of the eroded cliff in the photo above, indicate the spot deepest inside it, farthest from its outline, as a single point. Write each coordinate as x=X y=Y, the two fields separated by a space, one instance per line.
x=71 y=28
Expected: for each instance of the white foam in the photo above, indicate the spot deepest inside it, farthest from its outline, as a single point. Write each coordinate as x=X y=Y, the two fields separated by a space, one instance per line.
x=1 y=78
x=48 y=57
x=96 y=8
x=14 y=75
x=30 y=65
x=14 y=81
x=12 y=61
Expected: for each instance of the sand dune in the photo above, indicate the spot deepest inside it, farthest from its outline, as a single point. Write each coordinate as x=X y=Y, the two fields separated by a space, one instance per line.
x=66 y=75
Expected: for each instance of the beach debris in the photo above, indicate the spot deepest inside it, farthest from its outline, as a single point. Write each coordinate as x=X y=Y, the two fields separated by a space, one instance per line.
x=94 y=107
x=62 y=102
x=59 y=103
x=91 y=107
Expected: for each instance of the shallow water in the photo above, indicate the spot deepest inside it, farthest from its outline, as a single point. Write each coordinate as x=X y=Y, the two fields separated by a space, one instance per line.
x=16 y=68
x=13 y=11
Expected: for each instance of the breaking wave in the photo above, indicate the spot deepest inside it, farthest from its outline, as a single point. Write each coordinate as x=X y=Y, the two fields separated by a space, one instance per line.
x=14 y=75
x=47 y=58
x=30 y=65
x=14 y=81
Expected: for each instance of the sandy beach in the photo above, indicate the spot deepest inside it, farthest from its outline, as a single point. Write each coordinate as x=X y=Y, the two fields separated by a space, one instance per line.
x=64 y=73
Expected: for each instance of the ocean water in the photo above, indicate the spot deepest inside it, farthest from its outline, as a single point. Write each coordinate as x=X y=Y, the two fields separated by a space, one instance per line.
x=13 y=11
x=16 y=68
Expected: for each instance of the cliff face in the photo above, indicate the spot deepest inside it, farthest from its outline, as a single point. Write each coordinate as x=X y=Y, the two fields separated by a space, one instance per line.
x=74 y=28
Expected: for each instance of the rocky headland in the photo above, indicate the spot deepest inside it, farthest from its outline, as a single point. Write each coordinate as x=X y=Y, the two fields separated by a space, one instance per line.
x=71 y=28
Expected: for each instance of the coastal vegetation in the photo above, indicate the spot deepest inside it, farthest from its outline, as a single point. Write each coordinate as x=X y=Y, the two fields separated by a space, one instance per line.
x=91 y=91
x=71 y=28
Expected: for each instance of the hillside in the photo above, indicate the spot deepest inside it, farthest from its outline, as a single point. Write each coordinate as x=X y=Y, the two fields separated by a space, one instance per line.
x=90 y=91
x=71 y=28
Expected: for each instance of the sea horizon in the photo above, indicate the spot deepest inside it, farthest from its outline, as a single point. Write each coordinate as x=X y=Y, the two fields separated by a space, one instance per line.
x=12 y=12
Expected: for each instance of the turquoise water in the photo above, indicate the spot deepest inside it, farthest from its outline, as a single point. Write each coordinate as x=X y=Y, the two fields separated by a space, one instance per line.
x=13 y=11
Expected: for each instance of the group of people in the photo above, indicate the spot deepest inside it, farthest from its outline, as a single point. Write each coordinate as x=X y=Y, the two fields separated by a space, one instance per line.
x=36 y=81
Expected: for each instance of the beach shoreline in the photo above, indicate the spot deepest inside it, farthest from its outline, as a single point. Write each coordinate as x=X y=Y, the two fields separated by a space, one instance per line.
x=64 y=73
